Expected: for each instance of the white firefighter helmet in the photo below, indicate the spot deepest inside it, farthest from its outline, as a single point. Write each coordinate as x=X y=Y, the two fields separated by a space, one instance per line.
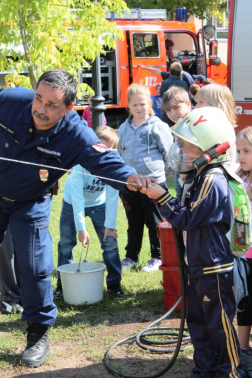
x=204 y=128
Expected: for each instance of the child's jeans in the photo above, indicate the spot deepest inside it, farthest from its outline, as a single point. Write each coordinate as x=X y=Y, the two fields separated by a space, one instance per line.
x=68 y=240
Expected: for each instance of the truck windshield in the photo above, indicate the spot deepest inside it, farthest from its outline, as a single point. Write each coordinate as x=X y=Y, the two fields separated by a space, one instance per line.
x=182 y=42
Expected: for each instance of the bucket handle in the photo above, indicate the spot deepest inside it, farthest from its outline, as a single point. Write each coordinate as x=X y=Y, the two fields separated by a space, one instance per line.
x=85 y=260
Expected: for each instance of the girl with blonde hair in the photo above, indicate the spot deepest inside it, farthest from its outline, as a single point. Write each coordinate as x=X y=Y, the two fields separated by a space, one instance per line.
x=144 y=143
x=140 y=90
x=220 y=96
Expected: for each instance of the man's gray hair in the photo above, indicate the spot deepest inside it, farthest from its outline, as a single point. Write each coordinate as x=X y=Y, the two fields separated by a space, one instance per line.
x=57 y=78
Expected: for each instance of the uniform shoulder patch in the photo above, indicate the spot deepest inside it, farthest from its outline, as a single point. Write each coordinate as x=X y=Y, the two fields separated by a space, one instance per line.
x=100 y=147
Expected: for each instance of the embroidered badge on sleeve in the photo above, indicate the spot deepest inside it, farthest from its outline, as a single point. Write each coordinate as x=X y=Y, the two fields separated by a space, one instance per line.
x=100 y=147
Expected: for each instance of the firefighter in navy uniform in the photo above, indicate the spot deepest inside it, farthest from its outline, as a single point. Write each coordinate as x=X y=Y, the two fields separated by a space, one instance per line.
x=40 y=127
x=202 y=216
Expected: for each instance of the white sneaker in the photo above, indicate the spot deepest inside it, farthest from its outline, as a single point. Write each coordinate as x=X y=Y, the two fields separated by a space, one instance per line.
x=152 y=265
x=128 y=263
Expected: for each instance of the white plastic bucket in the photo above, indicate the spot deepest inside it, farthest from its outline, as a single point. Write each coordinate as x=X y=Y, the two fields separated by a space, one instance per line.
x=82 y=287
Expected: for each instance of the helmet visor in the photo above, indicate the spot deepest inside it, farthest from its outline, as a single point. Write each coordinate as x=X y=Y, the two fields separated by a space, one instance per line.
x=182 y=155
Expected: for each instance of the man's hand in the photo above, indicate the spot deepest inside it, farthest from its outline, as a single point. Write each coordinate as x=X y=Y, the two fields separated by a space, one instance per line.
x=110 y=232
x=141 y=182
x=83 y=237
x=155 y=191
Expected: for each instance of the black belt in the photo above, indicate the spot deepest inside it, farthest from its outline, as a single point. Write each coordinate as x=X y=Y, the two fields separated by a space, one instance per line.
x=47 y=194
x=7 y=199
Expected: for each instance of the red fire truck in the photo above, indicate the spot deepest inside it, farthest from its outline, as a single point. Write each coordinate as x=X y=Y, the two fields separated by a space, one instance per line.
x=239 y=72
x=145 y=32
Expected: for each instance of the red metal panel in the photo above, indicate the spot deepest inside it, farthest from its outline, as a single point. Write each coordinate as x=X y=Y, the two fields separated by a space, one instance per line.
x=244 y=115
x=230 y=42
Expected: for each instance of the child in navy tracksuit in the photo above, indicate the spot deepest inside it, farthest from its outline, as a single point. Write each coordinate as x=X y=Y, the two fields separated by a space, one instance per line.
x=203 y=215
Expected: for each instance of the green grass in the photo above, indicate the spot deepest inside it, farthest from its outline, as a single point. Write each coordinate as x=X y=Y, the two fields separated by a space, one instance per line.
x=80 y=324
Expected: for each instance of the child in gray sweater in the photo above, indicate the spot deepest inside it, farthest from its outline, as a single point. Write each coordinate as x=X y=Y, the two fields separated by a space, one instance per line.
x=144 y=143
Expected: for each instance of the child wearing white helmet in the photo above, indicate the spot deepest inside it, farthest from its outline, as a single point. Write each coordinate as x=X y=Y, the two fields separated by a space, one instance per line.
x=203 y=217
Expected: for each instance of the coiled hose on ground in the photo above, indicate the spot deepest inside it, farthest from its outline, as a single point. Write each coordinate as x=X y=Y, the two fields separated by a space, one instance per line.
x=143 y=342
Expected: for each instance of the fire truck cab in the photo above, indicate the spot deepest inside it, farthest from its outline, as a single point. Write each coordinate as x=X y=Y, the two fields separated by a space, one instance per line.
x=145 y=32
x=239 y=73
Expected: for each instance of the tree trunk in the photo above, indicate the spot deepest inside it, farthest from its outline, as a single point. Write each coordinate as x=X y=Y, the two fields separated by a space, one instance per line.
x=26 y=50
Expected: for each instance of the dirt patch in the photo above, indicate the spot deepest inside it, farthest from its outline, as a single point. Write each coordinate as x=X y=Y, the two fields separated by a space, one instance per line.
x=69 y=358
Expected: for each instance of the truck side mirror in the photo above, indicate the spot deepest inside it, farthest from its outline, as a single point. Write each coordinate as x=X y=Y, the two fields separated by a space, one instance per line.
x=213 y=52
x=213 y=48
x=214 y=60
x=209 y=31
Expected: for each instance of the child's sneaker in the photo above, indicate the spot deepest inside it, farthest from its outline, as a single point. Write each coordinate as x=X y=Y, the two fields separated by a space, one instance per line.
x=128 y=263
x=247 y=350
x=115 y=291
x=246 y=360
x=10 y=308
x=152 y=264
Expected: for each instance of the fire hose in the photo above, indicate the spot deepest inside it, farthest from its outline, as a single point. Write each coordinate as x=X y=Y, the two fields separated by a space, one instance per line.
x=151 y=330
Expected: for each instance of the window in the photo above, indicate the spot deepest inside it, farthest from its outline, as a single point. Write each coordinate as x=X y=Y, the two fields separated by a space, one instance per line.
x=183 y=43
x=221 y=27
x=145 y=45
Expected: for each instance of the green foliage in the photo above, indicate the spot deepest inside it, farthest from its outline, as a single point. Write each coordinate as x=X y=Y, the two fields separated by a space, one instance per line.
x=197 y=8
x=37 y=35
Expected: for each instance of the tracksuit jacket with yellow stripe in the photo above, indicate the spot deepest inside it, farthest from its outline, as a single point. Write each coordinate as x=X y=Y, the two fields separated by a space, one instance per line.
x=206 y=206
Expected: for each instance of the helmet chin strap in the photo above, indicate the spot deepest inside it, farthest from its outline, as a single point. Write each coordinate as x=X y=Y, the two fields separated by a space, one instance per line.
x=188 y=183
x=185 y=172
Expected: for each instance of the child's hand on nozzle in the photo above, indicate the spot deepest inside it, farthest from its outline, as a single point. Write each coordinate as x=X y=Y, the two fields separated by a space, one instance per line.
x=154 y=192
x=139 y=182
